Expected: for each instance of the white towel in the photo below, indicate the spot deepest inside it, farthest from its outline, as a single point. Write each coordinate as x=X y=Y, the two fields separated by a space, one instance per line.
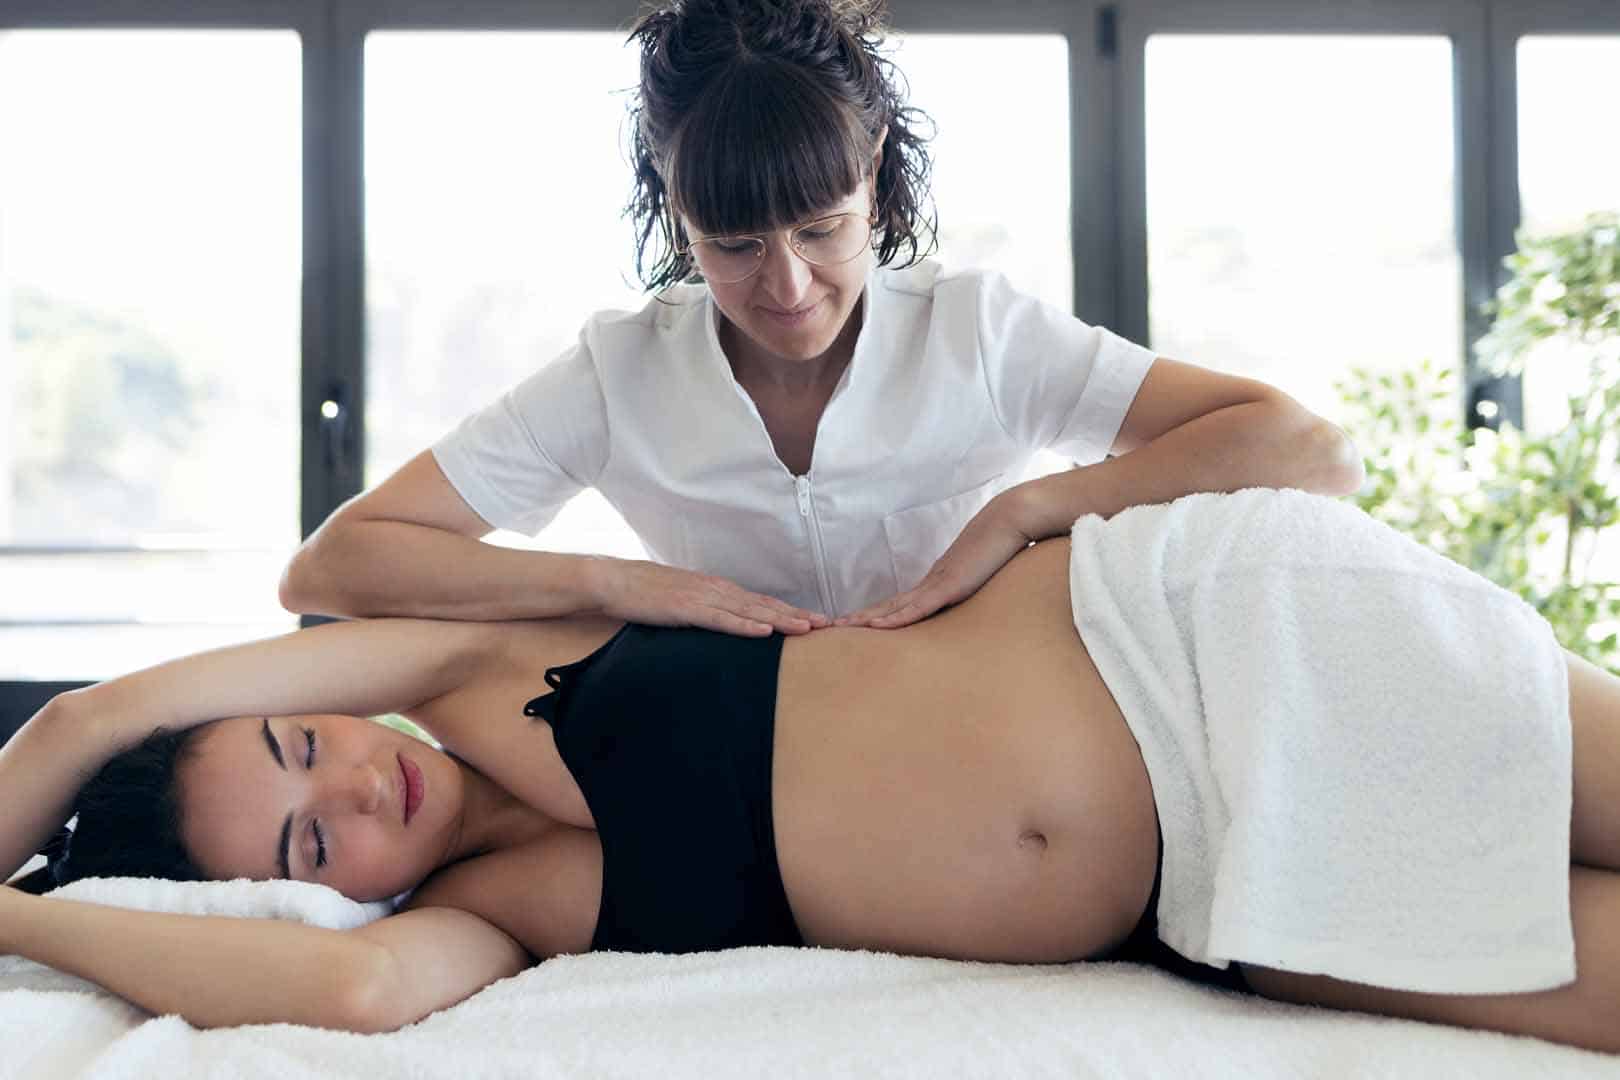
x=1360 y=751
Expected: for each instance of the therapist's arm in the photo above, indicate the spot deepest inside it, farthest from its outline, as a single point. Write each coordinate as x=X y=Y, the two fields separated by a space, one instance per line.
x=412 y=547
x=1189 y=429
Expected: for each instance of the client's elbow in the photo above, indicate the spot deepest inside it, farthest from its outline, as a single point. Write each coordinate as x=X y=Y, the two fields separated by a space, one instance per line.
x=368 y=1000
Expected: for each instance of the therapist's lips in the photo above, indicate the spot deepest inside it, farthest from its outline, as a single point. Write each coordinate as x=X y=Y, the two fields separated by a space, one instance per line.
x=791 y=318
x=415 y=788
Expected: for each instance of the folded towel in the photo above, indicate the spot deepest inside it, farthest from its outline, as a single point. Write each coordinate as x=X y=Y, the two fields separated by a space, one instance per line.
x=1360 y=751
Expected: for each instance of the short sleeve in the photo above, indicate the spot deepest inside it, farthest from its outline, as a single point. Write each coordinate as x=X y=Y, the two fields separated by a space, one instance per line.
x=517 y=461
x=1056 y=383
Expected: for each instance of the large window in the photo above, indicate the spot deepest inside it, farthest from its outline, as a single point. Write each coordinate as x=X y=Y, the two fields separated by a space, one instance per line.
x=1300 y=214
x=149 y=274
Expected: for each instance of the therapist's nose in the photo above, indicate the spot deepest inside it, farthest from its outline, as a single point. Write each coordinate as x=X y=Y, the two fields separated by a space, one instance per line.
x=785 y=276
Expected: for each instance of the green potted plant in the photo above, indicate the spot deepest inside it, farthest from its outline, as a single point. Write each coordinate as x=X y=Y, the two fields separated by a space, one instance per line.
x=1527 y=511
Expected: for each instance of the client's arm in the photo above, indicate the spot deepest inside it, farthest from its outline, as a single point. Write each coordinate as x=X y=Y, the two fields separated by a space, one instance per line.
x=216 y=971
x=358 y=668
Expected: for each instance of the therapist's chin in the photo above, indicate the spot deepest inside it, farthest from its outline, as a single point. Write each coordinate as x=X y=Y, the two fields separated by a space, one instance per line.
x=795 y=344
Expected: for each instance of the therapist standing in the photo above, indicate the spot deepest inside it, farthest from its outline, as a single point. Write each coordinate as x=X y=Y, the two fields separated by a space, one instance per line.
x=799 y=426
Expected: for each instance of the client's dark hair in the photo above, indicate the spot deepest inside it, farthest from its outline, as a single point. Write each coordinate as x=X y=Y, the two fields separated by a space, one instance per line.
x=128 y=820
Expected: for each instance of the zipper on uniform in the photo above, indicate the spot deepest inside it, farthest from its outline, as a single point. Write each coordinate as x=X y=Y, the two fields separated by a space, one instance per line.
x=807 y=510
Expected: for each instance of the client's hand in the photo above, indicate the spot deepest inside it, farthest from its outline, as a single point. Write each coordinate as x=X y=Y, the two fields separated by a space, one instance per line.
x=648 y=592
x=987 y=541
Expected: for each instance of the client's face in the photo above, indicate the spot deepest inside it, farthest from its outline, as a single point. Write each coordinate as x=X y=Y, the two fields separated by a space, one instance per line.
x=338 y=800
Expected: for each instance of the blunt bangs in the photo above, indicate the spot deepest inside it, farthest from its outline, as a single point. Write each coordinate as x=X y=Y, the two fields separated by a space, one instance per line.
x=765 y=147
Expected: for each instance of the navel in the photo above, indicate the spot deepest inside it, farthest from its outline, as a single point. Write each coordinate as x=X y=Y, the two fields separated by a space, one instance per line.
x=1032 y=840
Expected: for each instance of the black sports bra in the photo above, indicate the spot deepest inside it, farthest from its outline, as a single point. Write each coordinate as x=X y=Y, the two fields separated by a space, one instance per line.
x=669 y=733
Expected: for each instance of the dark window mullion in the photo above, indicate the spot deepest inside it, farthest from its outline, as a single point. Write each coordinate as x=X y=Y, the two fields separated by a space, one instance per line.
x=332 y=447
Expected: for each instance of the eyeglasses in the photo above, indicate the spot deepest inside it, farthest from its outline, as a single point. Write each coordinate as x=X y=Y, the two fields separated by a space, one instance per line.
x=828 y=241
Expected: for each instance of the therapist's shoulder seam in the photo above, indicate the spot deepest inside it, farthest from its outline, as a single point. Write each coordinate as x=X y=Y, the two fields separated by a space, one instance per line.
x=661 y=311
x=587 y=346
x=919 y=280
x=659 y=317
x=973 y=286
x=947 y=291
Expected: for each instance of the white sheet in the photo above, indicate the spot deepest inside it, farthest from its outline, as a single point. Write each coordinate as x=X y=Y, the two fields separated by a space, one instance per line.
x=789 y=1013
x=746 y=1013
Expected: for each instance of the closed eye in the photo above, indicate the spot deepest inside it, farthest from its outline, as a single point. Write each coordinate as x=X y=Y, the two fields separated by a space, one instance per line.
x=315 y=823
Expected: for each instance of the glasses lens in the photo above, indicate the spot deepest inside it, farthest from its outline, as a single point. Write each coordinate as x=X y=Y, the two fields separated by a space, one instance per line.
x=725 y=259
x=833 y=240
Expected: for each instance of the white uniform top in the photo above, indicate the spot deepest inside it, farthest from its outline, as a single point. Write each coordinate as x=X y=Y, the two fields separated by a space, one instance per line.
x=956 y=381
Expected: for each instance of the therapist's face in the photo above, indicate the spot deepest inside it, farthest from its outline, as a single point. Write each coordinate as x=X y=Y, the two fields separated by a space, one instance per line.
x=791 y=310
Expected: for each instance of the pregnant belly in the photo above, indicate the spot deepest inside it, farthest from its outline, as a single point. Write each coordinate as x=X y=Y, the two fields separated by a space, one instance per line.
x=969 y=790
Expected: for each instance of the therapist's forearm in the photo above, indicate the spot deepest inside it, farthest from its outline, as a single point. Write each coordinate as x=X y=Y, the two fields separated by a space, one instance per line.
x=1270 y=443
x=373 y=567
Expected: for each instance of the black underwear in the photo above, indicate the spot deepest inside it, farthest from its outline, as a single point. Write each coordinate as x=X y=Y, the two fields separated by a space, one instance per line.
x=1143 y=946
x=669 y=733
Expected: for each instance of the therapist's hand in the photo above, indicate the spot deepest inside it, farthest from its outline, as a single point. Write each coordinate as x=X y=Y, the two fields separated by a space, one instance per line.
x=636 y=590
x=993 y=536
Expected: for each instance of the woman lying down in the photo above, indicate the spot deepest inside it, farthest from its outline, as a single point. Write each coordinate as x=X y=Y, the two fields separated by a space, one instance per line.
x=1285 y=742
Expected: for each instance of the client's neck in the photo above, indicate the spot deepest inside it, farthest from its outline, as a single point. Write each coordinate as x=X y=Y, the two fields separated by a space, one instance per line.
x=493 y=818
